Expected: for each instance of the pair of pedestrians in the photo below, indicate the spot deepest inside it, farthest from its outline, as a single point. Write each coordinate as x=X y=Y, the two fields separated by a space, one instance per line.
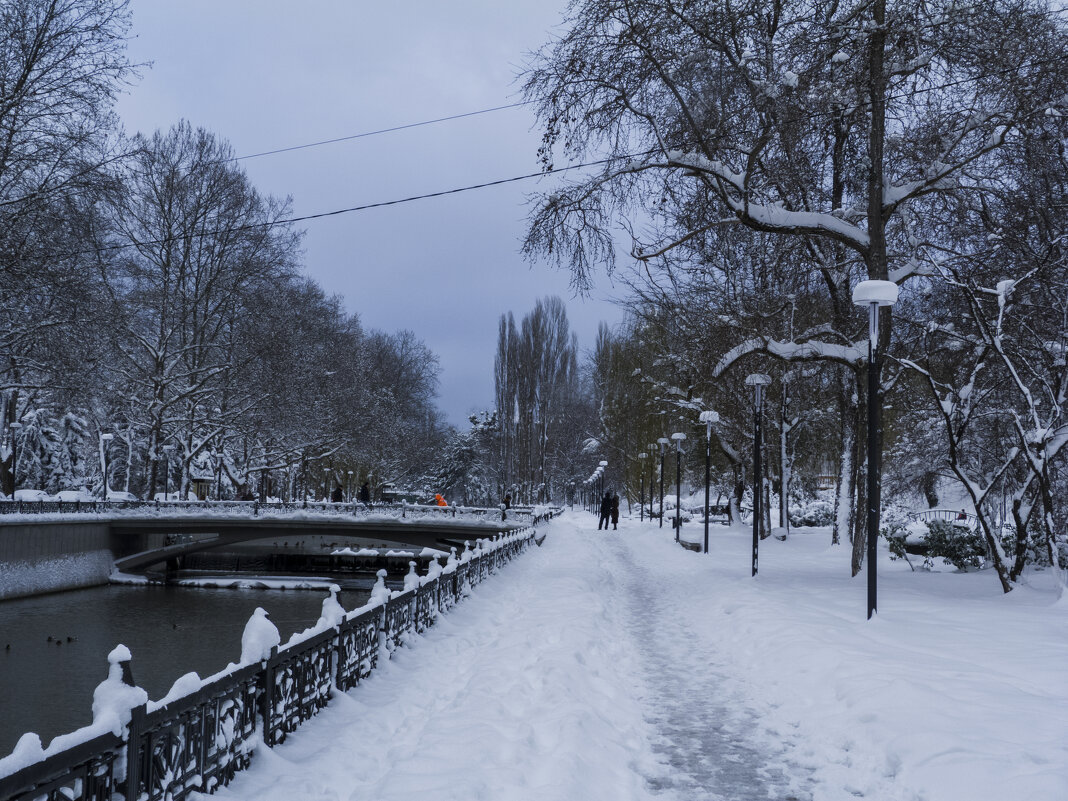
x=609 y=511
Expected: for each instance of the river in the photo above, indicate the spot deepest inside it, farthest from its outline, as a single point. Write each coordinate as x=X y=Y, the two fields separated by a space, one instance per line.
x=53 y=648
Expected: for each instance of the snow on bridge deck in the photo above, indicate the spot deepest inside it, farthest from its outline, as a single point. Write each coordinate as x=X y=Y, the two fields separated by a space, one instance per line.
x=615 y=665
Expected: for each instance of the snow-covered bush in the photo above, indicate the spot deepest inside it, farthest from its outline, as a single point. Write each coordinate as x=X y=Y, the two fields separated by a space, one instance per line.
x=961 y=546
x=813 y=513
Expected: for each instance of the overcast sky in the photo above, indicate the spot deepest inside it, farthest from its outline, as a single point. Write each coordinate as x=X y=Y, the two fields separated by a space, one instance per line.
x=267 y=75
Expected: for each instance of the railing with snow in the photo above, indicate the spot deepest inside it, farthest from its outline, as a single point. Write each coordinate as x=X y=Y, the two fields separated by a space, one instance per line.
x=253 y=508
x=950 y=515
x=198 y=741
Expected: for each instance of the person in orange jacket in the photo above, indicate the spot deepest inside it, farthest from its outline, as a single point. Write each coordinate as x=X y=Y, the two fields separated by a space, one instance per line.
x=441 y=501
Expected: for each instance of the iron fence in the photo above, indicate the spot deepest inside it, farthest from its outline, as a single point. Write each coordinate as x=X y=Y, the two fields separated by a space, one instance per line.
x=197 y=743
x=254 y=508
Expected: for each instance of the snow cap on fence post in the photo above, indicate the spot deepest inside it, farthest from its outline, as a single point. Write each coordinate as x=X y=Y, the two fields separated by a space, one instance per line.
x=333 y=612
x=411 y=580
x=259 y=637
x=114 y=699
x=380 y=593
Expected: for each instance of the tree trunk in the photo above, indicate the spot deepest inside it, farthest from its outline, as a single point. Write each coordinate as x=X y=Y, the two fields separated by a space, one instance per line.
x=844 y=508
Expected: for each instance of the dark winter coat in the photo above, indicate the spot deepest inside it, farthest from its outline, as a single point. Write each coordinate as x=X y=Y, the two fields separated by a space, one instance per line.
x=606 y=505
x=615 y=509
x=365 y=493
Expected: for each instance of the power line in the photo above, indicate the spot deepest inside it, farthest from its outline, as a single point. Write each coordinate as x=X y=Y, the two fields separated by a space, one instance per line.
x=499 y=182
x=348 y=210
x=347 y=138
x=381 y=131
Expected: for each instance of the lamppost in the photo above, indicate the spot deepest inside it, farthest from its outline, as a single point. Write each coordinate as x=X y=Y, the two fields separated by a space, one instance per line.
x=14 y=426
x=603 y=466
x=874 y=294
x=679 y=438
x=167 y=451
x=349 y=486
x=641 y=493
x=651 y=448
x=662 y=442
x=218 y=476
x=105 y=440
x=757 y=381
x=708 y=418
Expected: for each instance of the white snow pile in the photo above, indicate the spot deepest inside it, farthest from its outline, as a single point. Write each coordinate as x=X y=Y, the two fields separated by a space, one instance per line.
x=350 y=552
x=259 y=637
x=330 y=618
x=113 y=699
x=412 y=579
x=380 y=593
x=620 y=666
x=183 y=686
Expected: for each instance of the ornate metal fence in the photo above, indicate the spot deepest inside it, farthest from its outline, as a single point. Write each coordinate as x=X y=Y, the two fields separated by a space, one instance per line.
x=197 y=743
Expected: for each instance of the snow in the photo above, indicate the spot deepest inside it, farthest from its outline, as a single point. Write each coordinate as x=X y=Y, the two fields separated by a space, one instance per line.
x=330 y=618
x=882 y=292
x=113 y=699
x=380 y=593
x=412 y=579
x=55 y=573
x=620 y=666
x=259 y=637
x=183 y=686
x=350 y=552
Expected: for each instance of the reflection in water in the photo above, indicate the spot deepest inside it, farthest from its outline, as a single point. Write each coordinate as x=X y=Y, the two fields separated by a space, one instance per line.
x=47 y=687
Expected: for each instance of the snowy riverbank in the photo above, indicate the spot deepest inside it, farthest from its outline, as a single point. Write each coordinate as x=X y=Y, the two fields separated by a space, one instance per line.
x=619 y=666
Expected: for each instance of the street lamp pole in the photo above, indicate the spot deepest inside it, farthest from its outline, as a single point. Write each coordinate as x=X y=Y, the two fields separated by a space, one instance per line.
x=757 y=381
x=105 y=439
x=708 y=418
x=874 y=294
x=641 y=492
x=679 y=438
x=651 y=449
x=662 y=442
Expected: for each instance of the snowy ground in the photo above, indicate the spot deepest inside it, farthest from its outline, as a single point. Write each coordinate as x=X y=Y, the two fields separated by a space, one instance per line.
x=619 y=666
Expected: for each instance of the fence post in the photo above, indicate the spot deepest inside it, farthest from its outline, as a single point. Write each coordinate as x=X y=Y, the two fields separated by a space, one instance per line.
x=267 y=707
x=133 y=748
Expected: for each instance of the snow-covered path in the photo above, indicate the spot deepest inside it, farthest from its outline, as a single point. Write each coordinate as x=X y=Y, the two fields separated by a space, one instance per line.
x=703 y=728
x=619 y=666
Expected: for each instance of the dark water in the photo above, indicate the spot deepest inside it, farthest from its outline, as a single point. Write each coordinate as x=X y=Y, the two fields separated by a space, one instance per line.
x=47 y=687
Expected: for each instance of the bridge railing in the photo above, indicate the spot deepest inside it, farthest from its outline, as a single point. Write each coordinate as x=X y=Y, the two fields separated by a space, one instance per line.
x=956 y=516
x=255 y=508
x=198 y=742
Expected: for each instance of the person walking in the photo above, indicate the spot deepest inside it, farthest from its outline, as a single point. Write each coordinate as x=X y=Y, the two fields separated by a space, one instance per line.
x=365 y=494
x=606 y=511
x=615 y=512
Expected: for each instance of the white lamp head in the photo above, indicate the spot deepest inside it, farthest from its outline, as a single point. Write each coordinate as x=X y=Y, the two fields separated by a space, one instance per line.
x=881 y=293
x=643 y=455
x=758 y=380
x=678 y=436
x=603 y=464
x=709 y=417
x=107 y=437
